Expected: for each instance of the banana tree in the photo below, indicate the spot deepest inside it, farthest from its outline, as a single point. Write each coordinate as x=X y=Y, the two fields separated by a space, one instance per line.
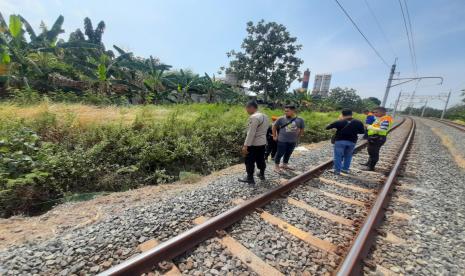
x=155 y=83
x=37 y=58
x=183 y=85
x=106 y=69
x=15 y=50
x=215 y=88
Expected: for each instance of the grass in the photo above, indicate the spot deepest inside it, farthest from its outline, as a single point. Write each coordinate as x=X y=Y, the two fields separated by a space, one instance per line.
x=50 y=151
x=459 y=122
x=83 y=116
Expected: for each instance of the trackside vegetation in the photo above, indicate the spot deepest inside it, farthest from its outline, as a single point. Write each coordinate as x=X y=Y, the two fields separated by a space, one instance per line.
x=54 y=151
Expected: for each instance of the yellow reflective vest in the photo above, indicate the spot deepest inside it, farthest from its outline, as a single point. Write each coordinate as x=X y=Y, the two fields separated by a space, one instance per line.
x=380 y=126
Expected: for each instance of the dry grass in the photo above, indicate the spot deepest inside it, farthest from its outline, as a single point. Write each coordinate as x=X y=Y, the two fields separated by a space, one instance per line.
x=459 y=122
x=84 y=115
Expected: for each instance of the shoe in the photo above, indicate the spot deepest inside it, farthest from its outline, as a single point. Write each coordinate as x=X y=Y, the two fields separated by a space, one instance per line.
x=334 y=172
x=277 y=170
x=368 y=169
x=261 y=176
x=345 y=171
x=247 y=180
x=286 y=167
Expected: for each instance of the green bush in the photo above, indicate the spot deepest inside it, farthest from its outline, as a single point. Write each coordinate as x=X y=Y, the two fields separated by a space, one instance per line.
x=49 y=157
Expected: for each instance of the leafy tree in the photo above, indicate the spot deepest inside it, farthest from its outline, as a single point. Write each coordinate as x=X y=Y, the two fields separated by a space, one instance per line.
x=345 y=98
x=183 y=84
x=268 y=62
x=370 y=103
x=214 y=88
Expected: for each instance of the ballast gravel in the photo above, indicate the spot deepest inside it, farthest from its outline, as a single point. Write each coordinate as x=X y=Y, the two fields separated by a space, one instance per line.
x=435 y=236
x=96 y=247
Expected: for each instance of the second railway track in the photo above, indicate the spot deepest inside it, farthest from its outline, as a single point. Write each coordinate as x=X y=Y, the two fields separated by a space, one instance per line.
x=314 y=223
x=450 y=123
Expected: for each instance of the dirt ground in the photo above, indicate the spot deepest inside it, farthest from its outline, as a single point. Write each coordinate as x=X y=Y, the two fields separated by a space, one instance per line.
x=68 y=216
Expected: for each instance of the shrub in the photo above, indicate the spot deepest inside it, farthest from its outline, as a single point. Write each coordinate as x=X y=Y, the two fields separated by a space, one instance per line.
x=49 y=152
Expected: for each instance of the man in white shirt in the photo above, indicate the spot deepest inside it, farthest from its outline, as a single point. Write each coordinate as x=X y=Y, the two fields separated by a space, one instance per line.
x=255 y=143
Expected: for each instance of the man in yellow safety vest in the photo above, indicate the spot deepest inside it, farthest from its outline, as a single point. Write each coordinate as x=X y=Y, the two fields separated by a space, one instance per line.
x=377 y=133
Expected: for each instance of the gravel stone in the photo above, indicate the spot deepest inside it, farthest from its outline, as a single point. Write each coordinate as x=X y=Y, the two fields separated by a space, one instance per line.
x=435 y=243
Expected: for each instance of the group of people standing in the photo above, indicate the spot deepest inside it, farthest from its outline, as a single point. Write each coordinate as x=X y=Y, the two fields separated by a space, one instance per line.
x=279 y=139
x=263 y=140
x=375 y=130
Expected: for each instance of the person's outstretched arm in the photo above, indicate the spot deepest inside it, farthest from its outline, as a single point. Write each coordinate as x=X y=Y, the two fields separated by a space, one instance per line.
x=332 y=125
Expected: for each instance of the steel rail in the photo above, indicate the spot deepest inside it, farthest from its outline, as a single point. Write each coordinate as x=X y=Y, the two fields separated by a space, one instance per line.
x=450 y=123
x=176 y=246
x=352 y=264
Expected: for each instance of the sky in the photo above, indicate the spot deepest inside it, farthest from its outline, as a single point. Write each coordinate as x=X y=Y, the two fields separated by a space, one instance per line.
x=196 y=34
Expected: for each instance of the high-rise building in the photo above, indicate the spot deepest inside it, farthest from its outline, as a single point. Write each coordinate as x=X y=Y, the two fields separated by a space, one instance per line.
x=321 y=85
x=306 y=79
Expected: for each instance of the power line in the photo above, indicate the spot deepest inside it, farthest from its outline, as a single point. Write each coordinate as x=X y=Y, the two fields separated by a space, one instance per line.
x=411 y=37
x=408 y=38
x=380 y=27
x=358 y=29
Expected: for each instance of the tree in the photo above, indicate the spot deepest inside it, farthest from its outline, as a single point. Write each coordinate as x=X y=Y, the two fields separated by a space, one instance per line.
x=370 y=103
x=183 y=83
x=345 y=98
x=214 y=88
x=268 y=62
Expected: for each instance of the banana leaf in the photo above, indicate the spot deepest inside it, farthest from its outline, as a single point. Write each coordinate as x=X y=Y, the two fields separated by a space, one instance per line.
x=16 y=26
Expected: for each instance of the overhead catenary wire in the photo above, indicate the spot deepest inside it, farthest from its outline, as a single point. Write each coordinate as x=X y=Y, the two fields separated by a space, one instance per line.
x=361 y=33
x=380 y=28
x=412 y=56
x=412 y=38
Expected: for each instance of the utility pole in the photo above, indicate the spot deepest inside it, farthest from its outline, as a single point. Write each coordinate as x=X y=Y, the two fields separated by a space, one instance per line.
x=388 y=86
x=445 y=106
x=396 y=104
x=424 y=107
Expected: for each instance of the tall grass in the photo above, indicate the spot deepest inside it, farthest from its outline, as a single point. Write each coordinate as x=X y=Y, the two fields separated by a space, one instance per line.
x=51 y=151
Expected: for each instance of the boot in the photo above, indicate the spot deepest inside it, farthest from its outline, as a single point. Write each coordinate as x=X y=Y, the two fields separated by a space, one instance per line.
x=261 y=175
x=368 y=168
x=248 y=179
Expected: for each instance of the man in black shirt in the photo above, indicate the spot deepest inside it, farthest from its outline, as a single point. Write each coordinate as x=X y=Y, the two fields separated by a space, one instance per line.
x=346 y=137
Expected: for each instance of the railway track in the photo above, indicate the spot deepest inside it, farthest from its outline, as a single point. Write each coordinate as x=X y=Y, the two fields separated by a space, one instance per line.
x=332 y=218
x=450 y=123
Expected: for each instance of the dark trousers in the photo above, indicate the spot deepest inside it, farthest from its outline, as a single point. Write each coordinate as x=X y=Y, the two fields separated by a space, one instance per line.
x=256 y=155
x=374 y=146
x=271 y=148
x=285 y=150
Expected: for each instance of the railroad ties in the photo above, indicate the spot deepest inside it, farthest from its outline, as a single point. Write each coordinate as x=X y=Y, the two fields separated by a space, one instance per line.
x=330 y=216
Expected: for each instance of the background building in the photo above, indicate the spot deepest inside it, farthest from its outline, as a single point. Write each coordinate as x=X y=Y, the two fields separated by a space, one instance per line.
x=321 y=85
x=306 y=79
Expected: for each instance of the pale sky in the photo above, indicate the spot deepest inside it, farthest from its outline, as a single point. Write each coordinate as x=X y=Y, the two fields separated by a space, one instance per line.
x=196 y=34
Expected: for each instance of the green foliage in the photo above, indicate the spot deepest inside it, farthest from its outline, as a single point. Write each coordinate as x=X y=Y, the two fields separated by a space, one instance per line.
x=456 y=113
x=22 y=180
x=48 y=157
x=15 y=26
x=269 y=61
x=26 y=96
x=345 y=98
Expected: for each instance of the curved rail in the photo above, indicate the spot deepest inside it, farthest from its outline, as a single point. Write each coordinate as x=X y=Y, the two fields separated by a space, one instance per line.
x=450 y=123
x=352 y=264
x=176 y=246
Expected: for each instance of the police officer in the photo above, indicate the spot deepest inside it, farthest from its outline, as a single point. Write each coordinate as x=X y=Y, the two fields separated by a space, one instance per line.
x=255 y=143
x=377 y=133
